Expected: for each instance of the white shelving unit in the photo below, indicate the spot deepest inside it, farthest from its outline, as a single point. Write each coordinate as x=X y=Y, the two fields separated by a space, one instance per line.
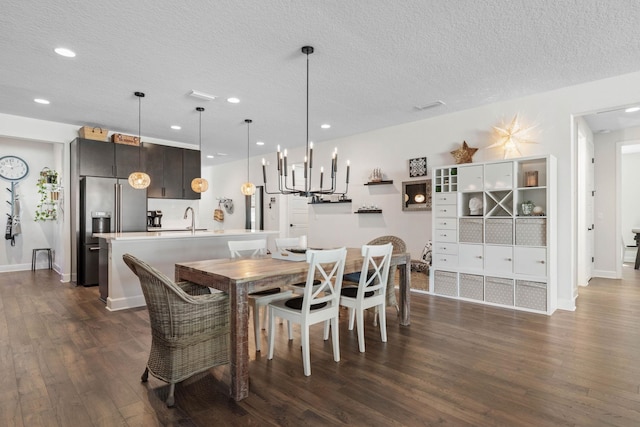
x=498 y=254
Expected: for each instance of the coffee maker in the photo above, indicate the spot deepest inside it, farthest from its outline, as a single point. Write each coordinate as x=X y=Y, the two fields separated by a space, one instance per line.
x=154 y=219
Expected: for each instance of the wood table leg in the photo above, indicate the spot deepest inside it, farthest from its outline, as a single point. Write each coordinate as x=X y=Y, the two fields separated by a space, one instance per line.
x=405 y=294
x=239 y=357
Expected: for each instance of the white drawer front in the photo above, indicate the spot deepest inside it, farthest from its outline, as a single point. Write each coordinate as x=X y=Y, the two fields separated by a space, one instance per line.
x=471 y=256
x=448 y=211
x=446 y=261
x=445 y=248
x=445 y=236
x=446 y=223
x=530 y=261
x=446 y=198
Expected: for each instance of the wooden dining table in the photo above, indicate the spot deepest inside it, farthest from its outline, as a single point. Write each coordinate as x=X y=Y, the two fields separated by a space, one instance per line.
x=239 y=277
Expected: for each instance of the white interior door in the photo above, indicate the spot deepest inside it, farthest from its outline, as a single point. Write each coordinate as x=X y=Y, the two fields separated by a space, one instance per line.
x=298 y=214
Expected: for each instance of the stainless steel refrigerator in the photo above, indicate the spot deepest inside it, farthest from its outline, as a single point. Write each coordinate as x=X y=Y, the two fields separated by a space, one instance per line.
x=107 y=205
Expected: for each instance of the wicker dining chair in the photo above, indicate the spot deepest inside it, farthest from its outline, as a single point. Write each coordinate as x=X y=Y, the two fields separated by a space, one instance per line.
x=189 y=326
x=399 y=246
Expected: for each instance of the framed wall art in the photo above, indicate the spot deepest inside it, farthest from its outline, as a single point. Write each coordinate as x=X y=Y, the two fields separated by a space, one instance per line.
x=417 y=167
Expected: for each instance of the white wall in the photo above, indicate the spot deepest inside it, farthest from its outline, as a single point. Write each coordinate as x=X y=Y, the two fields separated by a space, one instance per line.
x=41 y=234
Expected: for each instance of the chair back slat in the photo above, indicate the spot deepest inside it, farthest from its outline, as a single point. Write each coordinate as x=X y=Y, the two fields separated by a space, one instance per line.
x=247 y=248
x=375 y=269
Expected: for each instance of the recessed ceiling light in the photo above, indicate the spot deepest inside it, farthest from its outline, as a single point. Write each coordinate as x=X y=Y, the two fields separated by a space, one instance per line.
x=63 y=51
x=325 y=126
x=259 y=143
x=233 y=100
x=176 y=127
x=42 y=101
x=209 y=156
x=632 y=109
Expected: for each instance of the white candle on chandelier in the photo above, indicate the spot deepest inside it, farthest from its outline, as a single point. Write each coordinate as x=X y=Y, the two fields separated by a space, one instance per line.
x=348 y=166
x=305 y=167
x=310 y=156
x=279 y=158
x=264 y=171
x=321 y=175
x=293 y=175
x=285 y=162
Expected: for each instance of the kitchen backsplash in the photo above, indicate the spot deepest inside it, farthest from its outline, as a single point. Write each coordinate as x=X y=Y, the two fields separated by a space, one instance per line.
x=173 y=211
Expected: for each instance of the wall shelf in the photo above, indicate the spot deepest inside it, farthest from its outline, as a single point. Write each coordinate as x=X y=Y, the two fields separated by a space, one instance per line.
x=379 y=182
x=326 y=202
x=368 y=211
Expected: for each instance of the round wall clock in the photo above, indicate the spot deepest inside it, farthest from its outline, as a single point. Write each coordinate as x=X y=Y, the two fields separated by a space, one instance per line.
x=13 y=168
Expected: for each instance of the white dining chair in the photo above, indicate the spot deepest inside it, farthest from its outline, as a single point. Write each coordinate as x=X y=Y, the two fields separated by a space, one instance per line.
x=371 y=290
x=259 y=299
x=297 y=243
x=317 y=304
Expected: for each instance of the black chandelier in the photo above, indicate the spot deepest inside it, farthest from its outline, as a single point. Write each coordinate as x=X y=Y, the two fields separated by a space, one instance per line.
x=286 y=186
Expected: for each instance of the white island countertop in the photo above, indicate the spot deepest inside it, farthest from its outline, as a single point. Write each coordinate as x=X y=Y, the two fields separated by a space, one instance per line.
x=152 y=235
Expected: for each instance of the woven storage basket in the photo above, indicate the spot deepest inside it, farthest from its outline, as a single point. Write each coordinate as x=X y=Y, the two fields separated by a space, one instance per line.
x=95 y=133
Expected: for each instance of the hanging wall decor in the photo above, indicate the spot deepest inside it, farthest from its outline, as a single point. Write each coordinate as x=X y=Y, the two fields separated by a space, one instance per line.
x=418 y=167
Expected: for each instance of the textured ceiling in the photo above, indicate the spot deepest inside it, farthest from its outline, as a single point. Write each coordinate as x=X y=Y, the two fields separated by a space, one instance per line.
x=375 y=61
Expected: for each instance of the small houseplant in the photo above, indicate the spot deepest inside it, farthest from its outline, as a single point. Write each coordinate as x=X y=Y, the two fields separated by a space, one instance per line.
x=46 y=209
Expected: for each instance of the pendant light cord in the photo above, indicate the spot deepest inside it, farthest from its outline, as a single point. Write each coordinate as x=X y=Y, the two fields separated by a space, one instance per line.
x=248 y=121
x=140 y=95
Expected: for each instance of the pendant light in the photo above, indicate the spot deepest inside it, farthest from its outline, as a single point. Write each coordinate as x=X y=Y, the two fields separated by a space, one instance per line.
x=139 y=180
x=248 y=188
x=199 y=185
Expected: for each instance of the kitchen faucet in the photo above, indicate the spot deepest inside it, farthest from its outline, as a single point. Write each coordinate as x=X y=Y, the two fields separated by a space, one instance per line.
x=193 y=219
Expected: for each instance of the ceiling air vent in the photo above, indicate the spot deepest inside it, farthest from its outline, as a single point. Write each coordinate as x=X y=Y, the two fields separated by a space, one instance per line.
x=428 y=106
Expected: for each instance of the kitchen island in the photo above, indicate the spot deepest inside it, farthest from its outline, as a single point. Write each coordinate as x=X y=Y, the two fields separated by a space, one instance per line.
x=120 y=288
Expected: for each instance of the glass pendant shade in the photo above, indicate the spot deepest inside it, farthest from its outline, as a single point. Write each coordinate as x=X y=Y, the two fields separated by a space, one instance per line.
x=139 y=180
x=248 y=189
x=199 y=185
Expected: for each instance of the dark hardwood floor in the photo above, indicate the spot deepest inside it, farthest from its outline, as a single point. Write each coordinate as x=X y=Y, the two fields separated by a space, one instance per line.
x=67 y=361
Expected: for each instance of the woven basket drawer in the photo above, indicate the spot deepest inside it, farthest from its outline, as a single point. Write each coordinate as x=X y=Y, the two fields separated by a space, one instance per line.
x=531 y=295
x=531 y=232
x=499 y=231
x=498 y=290
x=445 y=283
x=470 y=230
x=472 y=286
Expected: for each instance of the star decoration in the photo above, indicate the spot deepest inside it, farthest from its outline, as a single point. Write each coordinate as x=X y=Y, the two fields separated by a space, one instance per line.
x=464 y=154
x=510 y=136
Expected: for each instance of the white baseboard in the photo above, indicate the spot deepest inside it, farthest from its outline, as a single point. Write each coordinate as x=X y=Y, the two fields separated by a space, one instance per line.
x=125 y=303
x=605 y=274
x=567 y=304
